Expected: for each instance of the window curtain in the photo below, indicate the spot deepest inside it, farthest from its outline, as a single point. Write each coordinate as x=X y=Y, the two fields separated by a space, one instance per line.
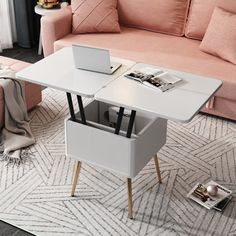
x=27 y=23
x=7 y=24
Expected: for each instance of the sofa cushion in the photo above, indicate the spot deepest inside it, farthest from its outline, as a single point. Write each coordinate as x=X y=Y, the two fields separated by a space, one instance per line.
x=15 y=65
x=91 y=16
x=161 y=49
x=221 y=41
x=200 y=14
x=154 y=15
x=32 y=91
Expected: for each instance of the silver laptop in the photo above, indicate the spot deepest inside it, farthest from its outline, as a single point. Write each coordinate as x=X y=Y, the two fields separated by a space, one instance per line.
x=93 y=59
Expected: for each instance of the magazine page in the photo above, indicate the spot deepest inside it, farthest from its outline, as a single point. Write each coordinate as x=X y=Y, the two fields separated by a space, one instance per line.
x=139 y=76
x=199 y=194
x=156 y=83
x=151 y=71
x=169 y=78
x=154 y=78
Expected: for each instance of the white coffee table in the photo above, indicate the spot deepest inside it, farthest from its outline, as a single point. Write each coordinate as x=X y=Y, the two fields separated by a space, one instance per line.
x=90 y=141
x=58 y=71
x=179 y=104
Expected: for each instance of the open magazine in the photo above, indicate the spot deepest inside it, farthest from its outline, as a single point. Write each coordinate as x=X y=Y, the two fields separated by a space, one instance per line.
x=199 y=195
x=154 y=78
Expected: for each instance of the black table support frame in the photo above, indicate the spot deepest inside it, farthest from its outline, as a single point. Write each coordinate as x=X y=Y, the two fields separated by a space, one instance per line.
x=119 y=120
x=83 y=118
x=71 y=107
x=72 y=111
x=81 y=109
x=131 y=124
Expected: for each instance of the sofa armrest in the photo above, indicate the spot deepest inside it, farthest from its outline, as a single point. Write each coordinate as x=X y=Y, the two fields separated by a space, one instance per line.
x=55 y=26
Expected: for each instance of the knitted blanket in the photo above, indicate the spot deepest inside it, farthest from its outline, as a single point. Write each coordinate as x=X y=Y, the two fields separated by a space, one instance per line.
x=15 y=134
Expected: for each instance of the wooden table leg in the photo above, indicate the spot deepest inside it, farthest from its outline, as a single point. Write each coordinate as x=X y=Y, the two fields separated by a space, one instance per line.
x=157 y=168
x=130 y=204
x=76 y=176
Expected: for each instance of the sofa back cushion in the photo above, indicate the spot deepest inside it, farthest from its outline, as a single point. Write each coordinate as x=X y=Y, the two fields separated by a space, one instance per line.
x=221 y=41
x=200 y=14
x=91 y=16
x=165 y=16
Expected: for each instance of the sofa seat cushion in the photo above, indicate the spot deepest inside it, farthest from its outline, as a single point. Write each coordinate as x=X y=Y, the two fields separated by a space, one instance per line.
x=164 y=50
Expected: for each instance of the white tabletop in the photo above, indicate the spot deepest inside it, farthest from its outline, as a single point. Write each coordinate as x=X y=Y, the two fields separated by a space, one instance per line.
x=58 y=71
x=178 y=104
x=43 y=11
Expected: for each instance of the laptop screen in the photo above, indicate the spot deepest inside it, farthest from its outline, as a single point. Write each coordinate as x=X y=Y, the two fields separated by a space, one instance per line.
x=89 y=58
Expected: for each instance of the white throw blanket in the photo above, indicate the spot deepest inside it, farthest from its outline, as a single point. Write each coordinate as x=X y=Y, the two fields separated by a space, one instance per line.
x=16 y=133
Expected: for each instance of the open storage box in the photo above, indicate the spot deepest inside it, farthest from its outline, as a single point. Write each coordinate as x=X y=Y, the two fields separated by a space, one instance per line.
x=97 y=144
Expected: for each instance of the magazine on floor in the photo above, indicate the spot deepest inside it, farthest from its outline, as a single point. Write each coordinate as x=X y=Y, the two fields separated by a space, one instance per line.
x=221 y=205
x=154 y=78
x=200 y=195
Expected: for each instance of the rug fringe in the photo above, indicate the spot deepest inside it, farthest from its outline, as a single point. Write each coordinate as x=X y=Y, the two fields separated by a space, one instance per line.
x=24 y=157
x=1 y=148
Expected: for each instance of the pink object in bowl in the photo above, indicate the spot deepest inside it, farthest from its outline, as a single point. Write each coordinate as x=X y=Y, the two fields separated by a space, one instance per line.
x=212 y=190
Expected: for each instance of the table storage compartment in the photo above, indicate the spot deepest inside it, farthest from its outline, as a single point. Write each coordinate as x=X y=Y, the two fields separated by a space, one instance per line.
x=97 y=144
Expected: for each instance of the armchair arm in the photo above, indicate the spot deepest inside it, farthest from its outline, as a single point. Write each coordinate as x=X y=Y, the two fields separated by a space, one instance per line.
x=55 y=26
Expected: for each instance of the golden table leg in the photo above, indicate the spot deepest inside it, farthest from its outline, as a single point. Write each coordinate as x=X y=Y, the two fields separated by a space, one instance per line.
x=76 y=176
x=130 y=204
x=157 y=168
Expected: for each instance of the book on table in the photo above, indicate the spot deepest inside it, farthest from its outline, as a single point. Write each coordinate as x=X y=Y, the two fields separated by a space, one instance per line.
x=219 y=201
x=154 y=78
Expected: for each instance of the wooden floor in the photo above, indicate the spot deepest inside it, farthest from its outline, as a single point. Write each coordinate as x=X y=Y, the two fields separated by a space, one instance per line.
x=23 y=54
x=28 y=55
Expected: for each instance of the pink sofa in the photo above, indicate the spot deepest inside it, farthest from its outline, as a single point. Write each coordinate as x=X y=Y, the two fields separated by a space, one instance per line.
x=150 y=46
x=32 y=91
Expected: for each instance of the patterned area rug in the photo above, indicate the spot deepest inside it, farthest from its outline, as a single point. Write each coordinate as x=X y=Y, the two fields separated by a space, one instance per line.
x=36 y=196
